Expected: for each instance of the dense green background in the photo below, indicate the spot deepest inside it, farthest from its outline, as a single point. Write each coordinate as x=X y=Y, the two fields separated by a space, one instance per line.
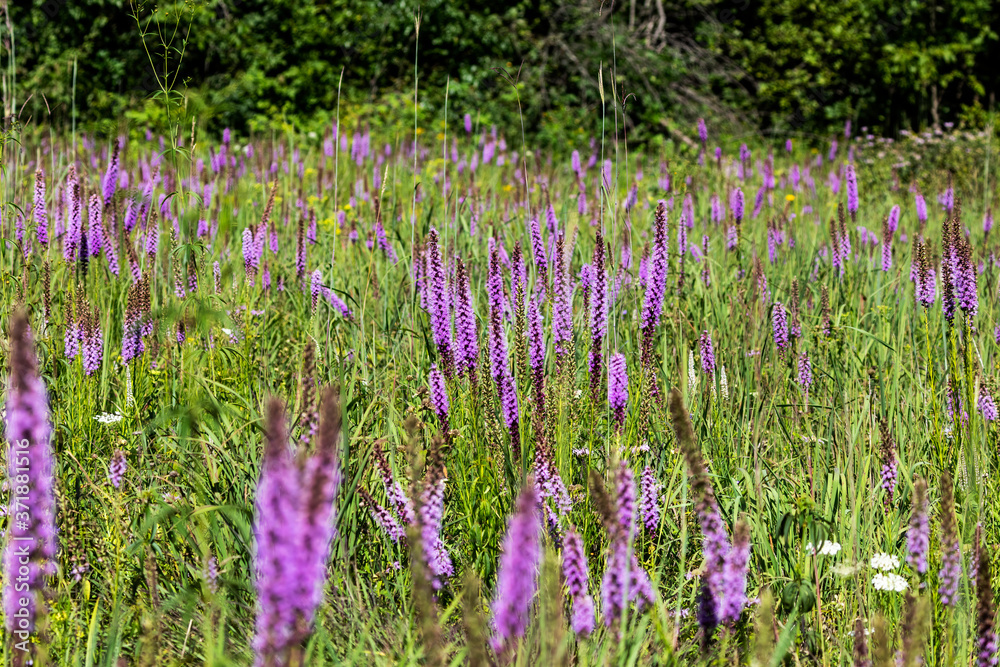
x=775 y=65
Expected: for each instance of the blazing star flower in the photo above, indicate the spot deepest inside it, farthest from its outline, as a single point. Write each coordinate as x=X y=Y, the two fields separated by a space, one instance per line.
x=779 y=321
x=576 y=575
x=921 y=206
x=517 y=574
x=951 y=554
x=736 y=204
x=987 y=406
x=293 y=530
x=41 y=217
x=649 y=501
x=31 y=543
x=918 y=537
x=438 y=303
x=805 y=372
x=117 y=468
x=617 y=389
x=707 y=354
x=852 y=192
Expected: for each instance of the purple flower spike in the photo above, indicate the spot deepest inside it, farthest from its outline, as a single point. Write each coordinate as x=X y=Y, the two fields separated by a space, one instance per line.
x=779 y=320
x=439 y=396
x=111 y=175
x=31 y=543
x=562 y=304
x=737 y=205
x=805 y=372
x=707 y=354
x=517 y=575
x=921 y=205
x=576 y=574
x=649 y=501
x=987 y=406
x=117 y=468
x=617 y=389
x=293 y=530
x=852 y=192
x=41 y=217
x=894 y=219
x=466 y=331
x=734 y=577
x=918 y=537
x=951 y=555
x=438 y=303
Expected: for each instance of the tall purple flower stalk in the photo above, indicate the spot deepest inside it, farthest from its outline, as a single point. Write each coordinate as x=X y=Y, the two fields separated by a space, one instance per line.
x=656 y=284
x=926 y=287
x=466 y=332
x=624 y=579
x=921 y=206
x=707 y=354
x=987 y=406
x=517 y=574
x=31 y=543
x=74 y=228
x=576 y=573
x=889 y=472
x=95 y=238
x=886 y=247
x=734 y=575
x=536 y=354
x=41 y=217
x=497 y=336
x=779 y=322
x=951 y=554
x=92 y=347
x=117 y=468
x=918 y=537
x=111 y=175
x=649 y=500
x=598 y=316
x=617 y=389
x=430 y=517
x=724 y=586
x=538 y=252
x=965 y=279
x=438 y=303
x=72 y=335
x=852 y=192
x=893 y=221
x=293 y=530
x=805 y=372
x=737 y=205
x=562 y=304
x=439 y=397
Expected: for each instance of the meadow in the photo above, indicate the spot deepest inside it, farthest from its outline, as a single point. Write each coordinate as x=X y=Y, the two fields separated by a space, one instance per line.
x=357 y=398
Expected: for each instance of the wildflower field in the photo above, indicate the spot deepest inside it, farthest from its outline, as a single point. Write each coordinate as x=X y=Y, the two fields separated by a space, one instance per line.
x=355 y=399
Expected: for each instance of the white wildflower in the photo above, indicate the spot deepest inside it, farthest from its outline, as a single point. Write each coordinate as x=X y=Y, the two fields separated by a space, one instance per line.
x=884 y=561
x=108 y=418
x=692 y=377
x=724 y=384
x=889 y=582
x=826 y=548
